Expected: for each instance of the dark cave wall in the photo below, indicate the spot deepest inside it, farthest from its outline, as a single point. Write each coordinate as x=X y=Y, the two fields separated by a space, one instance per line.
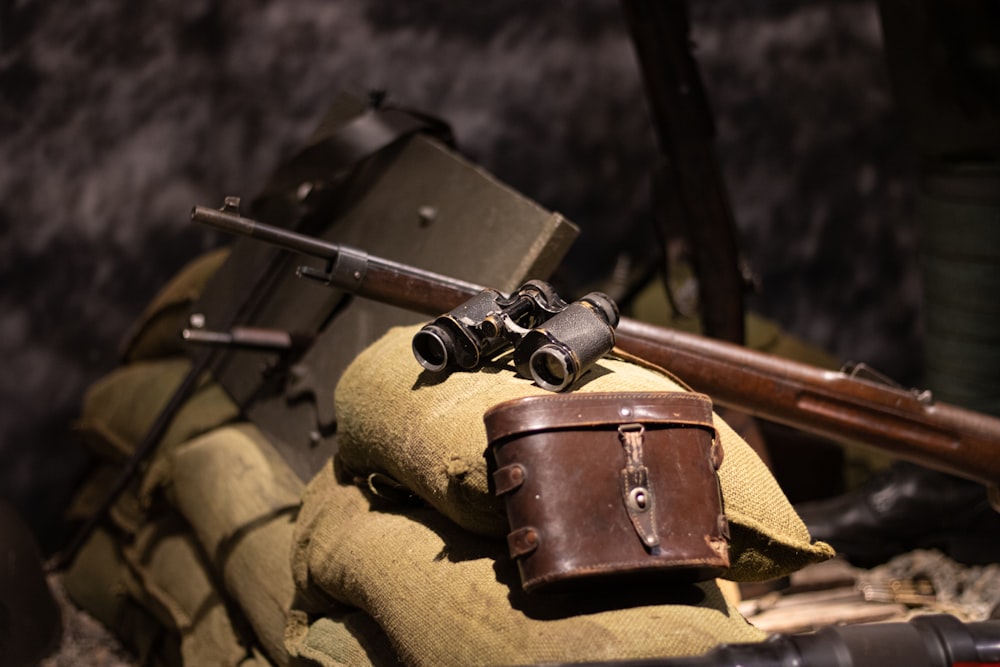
x=115 y=118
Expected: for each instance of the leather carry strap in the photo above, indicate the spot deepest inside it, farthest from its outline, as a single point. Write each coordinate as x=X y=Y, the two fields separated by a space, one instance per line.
x=350 y=143
x=334 y=151
x=575 y=410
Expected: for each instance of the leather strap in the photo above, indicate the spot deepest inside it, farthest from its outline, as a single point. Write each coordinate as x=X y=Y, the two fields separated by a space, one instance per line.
x=336 y=150
x=350 y=143
x=522 y=541
x=508 y=478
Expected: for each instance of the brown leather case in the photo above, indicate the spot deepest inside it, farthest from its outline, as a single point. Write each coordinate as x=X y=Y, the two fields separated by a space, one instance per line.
x=610 y=486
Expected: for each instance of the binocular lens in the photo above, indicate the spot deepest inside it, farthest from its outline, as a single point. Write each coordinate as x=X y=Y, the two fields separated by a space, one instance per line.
x=552 y=368
x=430 y=347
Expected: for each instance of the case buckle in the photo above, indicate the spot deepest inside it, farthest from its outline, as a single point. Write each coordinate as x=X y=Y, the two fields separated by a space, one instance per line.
x=636 y=491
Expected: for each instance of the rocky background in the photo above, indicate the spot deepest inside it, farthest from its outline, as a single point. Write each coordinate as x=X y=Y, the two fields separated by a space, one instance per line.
x=117 y=117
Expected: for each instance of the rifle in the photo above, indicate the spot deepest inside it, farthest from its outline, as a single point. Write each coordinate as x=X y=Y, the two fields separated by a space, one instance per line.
x=688 y=185
x=838 y=405
x=926 y=641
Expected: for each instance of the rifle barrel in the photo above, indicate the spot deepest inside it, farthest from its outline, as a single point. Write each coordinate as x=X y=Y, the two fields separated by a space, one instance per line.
x=350 y=269
x=233 y=223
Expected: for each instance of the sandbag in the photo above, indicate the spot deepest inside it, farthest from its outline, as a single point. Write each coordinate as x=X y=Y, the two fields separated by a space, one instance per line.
x=338 y=636
x=172 y=580
x=156 y=333
x=99 y=582
x=426 y=432
x=444 y=596
x=120 y=407
x=240 y=500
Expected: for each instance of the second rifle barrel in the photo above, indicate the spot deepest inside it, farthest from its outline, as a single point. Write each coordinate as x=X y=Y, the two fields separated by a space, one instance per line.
x=352 y=269
x=236 y=224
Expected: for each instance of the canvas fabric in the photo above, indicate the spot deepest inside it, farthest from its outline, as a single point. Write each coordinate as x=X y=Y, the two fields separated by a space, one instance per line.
x=959 y=243
x=99 y=582
x=156 y=333
x=211 y=583
x=144 y=575
x=336 y=635
x=239 y=499
x=119 y=408
x=445 y=596
x=146 y=578
x=241 y=556
x=171 y=579
x=426 y=432
x=126 y=514
x=159 y=599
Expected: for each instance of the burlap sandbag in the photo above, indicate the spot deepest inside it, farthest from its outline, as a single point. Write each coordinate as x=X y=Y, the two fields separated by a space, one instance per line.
x=119 y=408
x=447 y=597
x=99 y=583
x=103 y=583
x=172 y=580
x=336 y=635
x=240 y=498
x=426 y=432
x=127 y=513
x=156 y=334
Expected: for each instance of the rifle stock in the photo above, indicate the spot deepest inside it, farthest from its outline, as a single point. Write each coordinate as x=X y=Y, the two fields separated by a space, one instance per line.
x=833 y=404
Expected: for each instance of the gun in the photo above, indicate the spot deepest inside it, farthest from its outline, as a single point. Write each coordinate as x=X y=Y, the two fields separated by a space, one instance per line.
x=840 y=405
x=926 y=641
x=688 y=186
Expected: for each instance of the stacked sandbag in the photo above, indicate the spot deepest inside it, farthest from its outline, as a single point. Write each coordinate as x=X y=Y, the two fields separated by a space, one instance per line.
x=193 y=567
x=394 y=553
x=403 y=525
x=427 y=433
x=143 y=573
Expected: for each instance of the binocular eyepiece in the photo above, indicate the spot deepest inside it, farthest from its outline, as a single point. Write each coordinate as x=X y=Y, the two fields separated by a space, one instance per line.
x=554 y=342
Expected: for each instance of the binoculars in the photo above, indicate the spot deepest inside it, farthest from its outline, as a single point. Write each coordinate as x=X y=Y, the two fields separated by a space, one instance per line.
x=554 y=342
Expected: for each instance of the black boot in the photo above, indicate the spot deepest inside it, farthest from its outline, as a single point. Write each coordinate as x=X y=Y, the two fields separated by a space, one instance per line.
x=908 y=507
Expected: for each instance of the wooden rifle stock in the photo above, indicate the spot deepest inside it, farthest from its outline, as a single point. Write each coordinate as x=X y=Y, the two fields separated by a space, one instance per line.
x=833 y=404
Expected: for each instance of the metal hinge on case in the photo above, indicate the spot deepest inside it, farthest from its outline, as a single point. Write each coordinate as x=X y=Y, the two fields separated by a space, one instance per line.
x=636 y=491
